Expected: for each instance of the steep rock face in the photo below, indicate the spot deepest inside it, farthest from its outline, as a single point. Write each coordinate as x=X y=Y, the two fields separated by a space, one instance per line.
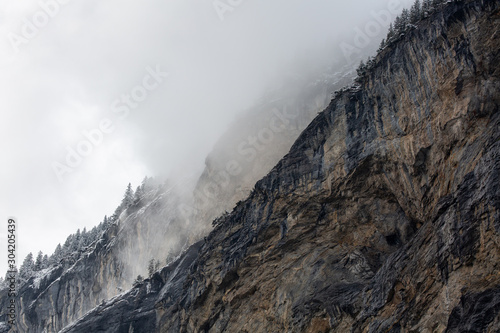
x=164 y=224
x=84 y=280
x=383 y=217
x=258 y=139
x=168 y=219
x=385 y=213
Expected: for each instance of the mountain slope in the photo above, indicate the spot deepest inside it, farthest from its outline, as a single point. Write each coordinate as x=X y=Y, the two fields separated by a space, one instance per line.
x=169 y=216
x=383 y=217
x=258 y=139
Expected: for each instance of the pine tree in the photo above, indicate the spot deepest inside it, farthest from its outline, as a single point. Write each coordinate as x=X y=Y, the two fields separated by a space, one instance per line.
x=57 y=255
x=75 y=243
x=26 y=269
x=105 y=223
x=145 y=184
x=39 y=261
x=138 y=195
x=157 y=265
x=114 y=217
x=382 y=45
x=93 y=235
x=415 y=12
x=398 y=26
x=84 y=240
x=3 y=285
x=45 y=261
x=139 y=279
x=405 y=18
x=128 y=197
x=66 y=248
x=151 y=267
x=390 y=33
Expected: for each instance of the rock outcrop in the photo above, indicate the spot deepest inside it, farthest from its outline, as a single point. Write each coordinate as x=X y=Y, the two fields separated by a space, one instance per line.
x=383 y=216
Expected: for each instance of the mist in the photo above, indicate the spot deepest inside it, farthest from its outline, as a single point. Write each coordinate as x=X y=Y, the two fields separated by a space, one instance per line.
x=99 y=94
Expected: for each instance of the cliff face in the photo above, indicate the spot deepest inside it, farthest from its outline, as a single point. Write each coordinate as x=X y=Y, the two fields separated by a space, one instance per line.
x=383 y=217
x=168 y=219
x=258 y=139
x=60 y=295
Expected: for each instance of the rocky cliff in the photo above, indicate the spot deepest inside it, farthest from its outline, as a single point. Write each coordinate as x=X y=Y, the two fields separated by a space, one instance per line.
x=383 y=216
x=63 y=293
x=259 y=138
x=169 y=217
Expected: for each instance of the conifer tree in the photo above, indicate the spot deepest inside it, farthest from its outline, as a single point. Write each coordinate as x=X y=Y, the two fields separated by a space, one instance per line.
x=390 y=33
x=138 y=279
x=45 y=261
x=382 y=45
x=57 y=255
x=27 y=267
x=405 y=19
x=138 y=195
x=416 y=12
x=94 y=233
x=84 y=239
x=151 y=267
x=39 y=262
x=398 y=26
x=157 y=265
x=67 y=244
x=128 y=197
x=105 y=223
x=75 y=243
x=145 y=184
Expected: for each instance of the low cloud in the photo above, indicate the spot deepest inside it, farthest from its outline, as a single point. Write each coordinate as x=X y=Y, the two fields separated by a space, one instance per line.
x=65 y=64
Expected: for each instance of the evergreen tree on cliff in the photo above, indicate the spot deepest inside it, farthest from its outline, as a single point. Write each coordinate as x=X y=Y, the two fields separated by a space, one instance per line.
x=27 y=268
x=128 y=197
x=39 y=261
x=416 y=12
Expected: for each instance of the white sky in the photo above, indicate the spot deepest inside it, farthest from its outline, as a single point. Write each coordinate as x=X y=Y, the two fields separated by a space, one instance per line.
x=69 y=71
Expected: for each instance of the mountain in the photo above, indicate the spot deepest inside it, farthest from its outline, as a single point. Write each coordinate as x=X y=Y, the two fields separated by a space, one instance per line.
x=161 y=222
x=382 y=217
x=259 y=138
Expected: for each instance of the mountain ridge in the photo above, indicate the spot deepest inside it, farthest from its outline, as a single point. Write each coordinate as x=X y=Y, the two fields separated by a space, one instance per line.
x=383 y=217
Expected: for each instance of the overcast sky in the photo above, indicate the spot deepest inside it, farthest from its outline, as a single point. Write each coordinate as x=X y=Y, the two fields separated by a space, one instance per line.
x=152 y=83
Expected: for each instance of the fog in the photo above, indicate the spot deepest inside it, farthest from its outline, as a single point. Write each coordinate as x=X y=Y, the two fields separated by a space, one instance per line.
x=97 y=94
